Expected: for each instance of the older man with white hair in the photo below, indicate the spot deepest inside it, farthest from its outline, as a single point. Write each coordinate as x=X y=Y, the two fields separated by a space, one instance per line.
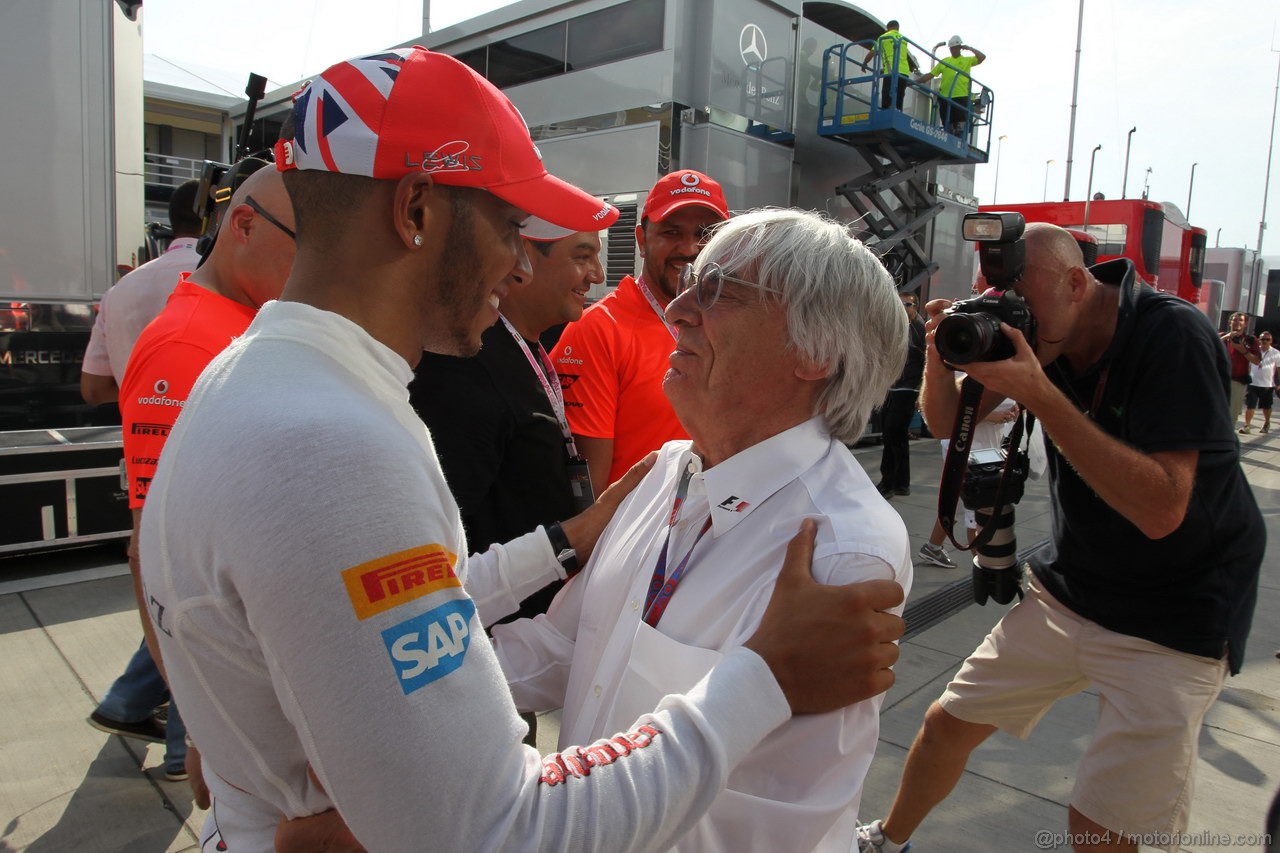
x=789 y=333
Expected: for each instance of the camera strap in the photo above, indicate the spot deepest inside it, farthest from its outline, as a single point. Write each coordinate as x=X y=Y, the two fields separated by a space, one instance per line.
x=957 y=462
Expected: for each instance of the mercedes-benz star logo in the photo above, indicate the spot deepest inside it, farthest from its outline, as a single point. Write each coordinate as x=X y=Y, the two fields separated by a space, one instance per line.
x=752 y=45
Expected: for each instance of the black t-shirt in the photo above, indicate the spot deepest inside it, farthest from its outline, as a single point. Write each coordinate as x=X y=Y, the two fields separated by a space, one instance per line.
x=1164 y=387
x=498 y=441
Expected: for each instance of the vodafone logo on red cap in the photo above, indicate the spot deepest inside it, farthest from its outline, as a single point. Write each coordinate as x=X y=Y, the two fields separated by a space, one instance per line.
x=679 y=189
x=690 y=182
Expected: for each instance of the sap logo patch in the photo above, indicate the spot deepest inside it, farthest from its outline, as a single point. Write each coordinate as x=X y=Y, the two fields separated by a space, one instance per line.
x=429 y=647
x=399 y=578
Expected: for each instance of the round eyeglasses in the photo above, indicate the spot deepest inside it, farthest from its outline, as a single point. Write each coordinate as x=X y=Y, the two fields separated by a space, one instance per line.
x=707 y=281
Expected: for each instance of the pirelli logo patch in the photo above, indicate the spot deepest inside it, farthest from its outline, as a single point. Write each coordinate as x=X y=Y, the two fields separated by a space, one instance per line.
x=399 y=578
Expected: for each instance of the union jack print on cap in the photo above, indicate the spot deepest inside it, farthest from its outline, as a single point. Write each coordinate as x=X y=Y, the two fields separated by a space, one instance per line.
x=410 y=110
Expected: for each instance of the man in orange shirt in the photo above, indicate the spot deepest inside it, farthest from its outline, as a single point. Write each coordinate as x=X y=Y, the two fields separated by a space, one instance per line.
x=612 y=361
x=209 y=308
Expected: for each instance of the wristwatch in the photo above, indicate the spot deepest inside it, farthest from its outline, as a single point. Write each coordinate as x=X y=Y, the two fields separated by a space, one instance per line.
x=565 y=555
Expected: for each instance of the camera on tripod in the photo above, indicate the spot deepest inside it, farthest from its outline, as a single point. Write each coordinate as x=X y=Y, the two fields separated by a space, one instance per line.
x=971 y=330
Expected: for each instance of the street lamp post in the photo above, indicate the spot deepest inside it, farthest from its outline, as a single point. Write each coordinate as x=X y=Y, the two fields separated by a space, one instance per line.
x=995 y=190
x=1075 y=87
x=1190 y=186
x=1088 y=193
x=1124 y=187
x=1047 y=164
x=1255 y=278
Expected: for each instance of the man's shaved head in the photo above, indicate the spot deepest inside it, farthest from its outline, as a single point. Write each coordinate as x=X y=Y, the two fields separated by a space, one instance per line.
x=1052 y=248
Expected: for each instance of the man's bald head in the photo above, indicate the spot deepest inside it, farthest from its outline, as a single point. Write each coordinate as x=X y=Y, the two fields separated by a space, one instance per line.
x=266 y=185
x=252 y=256
x=1051 y=248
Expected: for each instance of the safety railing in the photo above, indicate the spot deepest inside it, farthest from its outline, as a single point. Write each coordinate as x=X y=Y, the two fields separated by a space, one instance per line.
x=857 y=88
x=167 y=170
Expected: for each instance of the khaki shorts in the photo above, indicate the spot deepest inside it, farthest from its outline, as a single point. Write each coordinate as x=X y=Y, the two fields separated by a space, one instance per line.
x=1137 y=775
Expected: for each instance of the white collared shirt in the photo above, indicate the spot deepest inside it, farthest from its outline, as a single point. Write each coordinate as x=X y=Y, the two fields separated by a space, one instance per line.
x=800 y=788
x=1263 y=374
x=133 y=302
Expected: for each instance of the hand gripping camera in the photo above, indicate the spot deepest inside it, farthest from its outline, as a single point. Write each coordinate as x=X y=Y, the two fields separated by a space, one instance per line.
x=992 y=479
x=971 y=330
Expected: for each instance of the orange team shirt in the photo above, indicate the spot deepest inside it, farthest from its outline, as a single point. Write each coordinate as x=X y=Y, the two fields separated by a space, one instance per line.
x=611 y=364
x=195 y=325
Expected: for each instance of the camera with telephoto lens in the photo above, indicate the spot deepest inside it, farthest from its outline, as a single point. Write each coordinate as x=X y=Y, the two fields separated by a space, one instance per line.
x=982 y=477
x=981 y=493
x=971 y=330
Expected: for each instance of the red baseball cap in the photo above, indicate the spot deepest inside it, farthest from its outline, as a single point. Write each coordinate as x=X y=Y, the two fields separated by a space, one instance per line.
x=684 y=188
x=409 y=110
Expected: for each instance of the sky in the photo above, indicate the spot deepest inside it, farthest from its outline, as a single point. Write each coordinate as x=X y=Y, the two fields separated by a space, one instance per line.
x=1199 y=88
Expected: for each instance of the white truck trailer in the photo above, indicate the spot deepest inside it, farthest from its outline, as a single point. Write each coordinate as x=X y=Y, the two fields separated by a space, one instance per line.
x=71 y=156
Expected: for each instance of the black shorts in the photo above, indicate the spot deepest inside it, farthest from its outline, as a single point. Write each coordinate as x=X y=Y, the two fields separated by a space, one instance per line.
x=1259 y=397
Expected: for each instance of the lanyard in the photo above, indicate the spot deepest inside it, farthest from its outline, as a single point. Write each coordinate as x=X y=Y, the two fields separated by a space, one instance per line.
x=657 y=309
x=661 y=587
x=546 y=372
x=1098 y=389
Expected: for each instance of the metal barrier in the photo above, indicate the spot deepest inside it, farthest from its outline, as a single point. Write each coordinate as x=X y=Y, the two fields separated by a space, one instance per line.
x=167 y=170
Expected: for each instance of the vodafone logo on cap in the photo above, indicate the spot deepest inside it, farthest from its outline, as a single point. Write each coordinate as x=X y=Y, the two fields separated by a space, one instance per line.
x=690 y=182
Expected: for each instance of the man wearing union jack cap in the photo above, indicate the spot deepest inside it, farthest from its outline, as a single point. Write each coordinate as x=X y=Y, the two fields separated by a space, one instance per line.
x=319 y=612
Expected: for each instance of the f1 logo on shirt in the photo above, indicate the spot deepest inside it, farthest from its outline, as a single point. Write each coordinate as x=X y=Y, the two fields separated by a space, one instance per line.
x=428 y=647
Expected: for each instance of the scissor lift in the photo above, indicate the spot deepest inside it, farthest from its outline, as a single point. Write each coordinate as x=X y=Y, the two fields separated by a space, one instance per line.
x=900 y=148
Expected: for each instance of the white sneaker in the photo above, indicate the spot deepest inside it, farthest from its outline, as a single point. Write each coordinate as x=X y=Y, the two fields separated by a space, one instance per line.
x=935 y=555
x=871 y=840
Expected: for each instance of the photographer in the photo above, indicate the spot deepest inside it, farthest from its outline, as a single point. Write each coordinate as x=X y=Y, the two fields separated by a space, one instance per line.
x=1148 y=587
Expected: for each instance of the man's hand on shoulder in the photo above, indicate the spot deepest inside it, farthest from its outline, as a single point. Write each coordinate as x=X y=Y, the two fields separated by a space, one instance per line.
x=584 y=529
x=828 y=646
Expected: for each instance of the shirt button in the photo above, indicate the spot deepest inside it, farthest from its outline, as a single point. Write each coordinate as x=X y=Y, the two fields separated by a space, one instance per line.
x=597 y=691
x=635 y=605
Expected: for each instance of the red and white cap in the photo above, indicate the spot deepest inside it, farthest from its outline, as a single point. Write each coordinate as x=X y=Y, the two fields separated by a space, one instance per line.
x=410 y=109
x=685 y=188
x=544 y=232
